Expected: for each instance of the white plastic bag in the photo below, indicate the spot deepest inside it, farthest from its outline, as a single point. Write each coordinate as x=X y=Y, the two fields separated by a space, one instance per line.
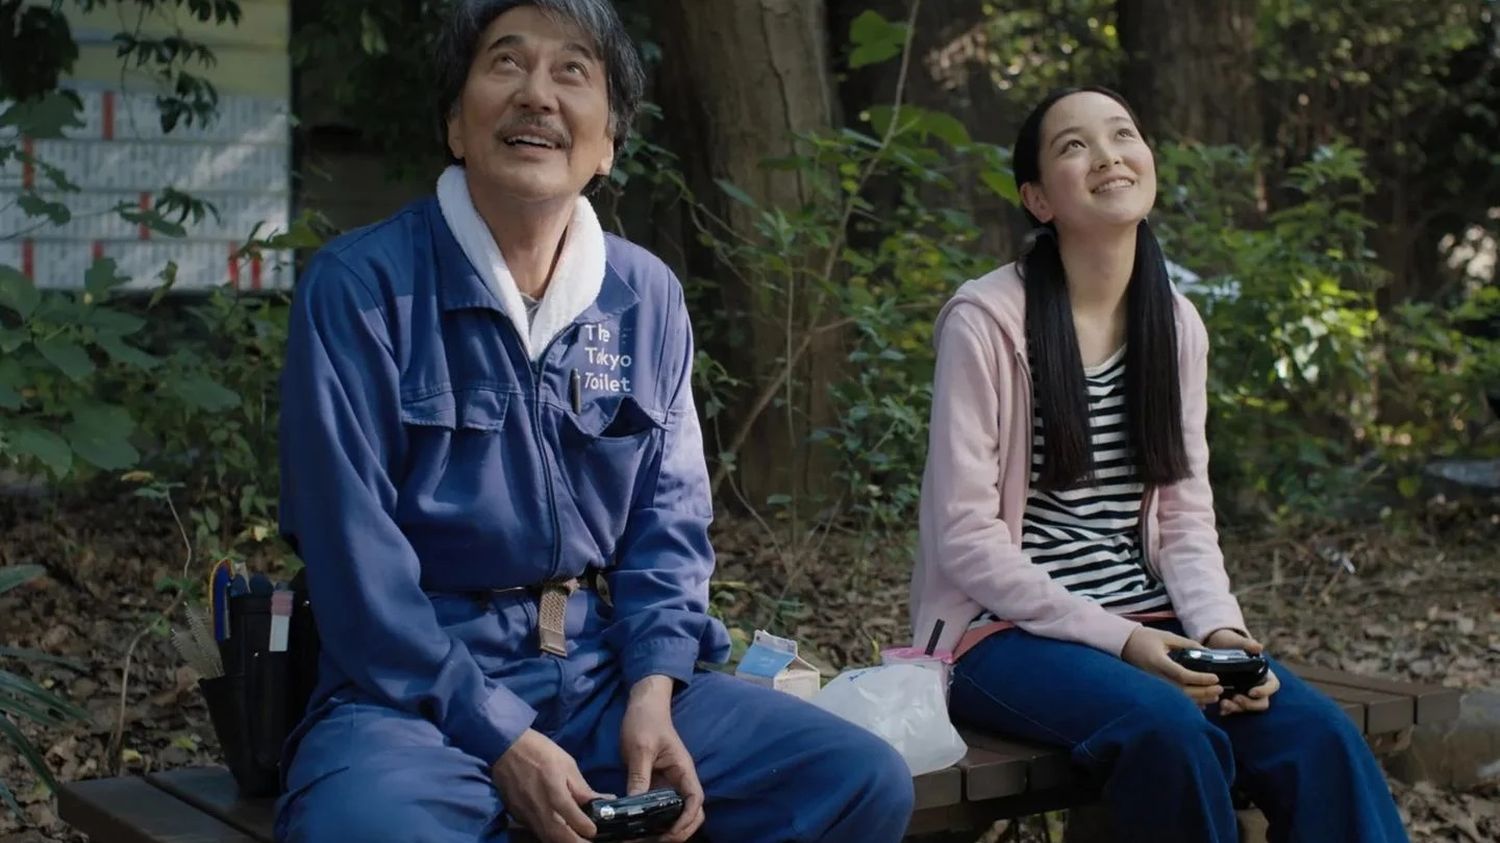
x=903 y=703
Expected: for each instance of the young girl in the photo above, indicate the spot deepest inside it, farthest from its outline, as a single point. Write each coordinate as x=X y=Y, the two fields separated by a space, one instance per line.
x=1067 y=525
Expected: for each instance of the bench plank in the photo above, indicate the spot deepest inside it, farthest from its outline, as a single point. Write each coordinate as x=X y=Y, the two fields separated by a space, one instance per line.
x=1047 y=767
x=1355 y=710
x=939 y=788
x=989 y=774
x=213 y=791
x=1384 y=713
x=1434 y=703
x=128 y=810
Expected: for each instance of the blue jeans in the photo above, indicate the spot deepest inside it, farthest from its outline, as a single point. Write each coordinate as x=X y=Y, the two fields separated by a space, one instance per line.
x=1165 y=765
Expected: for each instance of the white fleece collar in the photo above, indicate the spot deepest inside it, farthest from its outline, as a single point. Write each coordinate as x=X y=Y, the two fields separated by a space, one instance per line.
x=575 y=281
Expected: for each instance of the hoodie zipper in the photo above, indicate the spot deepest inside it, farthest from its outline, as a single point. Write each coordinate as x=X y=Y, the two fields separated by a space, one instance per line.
x=1025 y=369
x=1147 y=500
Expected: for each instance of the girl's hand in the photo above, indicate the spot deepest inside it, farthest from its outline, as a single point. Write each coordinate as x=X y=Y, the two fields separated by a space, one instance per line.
x=1259 y=698
x=1147 y=649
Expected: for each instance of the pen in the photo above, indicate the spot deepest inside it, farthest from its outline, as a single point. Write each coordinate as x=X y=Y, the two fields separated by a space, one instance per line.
x=575 y=387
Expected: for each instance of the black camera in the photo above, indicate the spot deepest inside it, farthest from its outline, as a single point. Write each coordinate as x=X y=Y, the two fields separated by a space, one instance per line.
x=1238 y=671
x=634 y=817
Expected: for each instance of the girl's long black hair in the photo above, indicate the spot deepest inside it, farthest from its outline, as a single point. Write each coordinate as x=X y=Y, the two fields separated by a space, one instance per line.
x=1152 y=386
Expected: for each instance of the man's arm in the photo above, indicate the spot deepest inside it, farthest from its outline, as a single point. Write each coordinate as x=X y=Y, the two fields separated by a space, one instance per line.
x=340 y=432
x=659 y=585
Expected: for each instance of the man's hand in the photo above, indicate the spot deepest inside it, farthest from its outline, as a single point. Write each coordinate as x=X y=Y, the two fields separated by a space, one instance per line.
x=651 y=750
x=541 y=787
x=1259 y=698
x=1147 y=649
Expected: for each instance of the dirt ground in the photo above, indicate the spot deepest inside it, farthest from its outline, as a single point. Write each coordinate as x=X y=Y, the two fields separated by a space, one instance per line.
x=1421 y=601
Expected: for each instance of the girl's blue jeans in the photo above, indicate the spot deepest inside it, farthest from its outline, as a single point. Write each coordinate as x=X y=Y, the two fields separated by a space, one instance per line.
x=1166 y=766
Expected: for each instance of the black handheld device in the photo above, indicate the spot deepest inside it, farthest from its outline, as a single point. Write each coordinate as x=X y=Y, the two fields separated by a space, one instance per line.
x=634 y=817
x=1238 y=671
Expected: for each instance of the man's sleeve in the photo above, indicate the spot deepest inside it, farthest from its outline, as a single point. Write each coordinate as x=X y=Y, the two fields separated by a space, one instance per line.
x=659 y=584
x=340 y=434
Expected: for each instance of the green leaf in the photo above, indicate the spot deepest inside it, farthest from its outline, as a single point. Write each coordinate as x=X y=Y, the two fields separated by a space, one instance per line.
x=39 y=656
x=1004 y=185
x=875 y=39
x=151 y=218
x=371 y=37
x=23 y=697
x=9 y=398
x=123 y=352
x=46 y=117
x=109 y=322
x=944 y=126
x=13 y=736
x=735 y=193
x=12 y=576
x=70 y=358
x=1409 y=486
x=45 y=447
x=102 y=276
x=101 y=436
x=869 y=54
x=13 y=338
x=17 y=292
x=205 y=393
x=33 y=205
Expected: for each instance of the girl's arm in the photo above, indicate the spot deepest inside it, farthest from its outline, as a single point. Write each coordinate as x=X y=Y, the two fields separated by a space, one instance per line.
x=1191 y=564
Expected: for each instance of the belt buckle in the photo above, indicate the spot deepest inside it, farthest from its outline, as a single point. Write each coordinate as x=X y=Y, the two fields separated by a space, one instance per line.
x=552 y=621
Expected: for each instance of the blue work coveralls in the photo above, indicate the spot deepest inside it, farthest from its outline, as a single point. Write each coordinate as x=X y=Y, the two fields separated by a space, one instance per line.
x=426 y=464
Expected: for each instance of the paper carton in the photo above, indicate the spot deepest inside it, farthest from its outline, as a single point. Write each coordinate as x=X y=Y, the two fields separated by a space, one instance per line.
x=774 y=663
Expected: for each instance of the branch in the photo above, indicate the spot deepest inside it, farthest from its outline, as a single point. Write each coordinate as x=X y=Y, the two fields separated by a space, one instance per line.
x=117 y=738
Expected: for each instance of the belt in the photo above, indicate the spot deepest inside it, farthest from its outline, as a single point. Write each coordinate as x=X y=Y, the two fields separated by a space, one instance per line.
x=552 y=608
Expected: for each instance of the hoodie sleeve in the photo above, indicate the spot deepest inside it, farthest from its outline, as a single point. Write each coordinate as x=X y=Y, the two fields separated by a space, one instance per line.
x=1191 y=563
x=659 y=584
x=977 y=378
x=340 y=433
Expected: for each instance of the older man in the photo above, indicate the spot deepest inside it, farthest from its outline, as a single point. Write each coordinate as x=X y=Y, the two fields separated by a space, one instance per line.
x=487 y=411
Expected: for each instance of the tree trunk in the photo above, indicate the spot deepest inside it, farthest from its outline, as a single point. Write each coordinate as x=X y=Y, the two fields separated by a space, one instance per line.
x=740 y=79
x=1190 y=68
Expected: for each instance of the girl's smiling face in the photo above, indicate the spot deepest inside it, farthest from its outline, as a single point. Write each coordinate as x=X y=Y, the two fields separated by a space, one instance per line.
x=1096 y=169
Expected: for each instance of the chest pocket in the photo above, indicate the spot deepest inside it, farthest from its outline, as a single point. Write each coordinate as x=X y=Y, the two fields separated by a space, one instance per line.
x=447 y=434
x=607 y=448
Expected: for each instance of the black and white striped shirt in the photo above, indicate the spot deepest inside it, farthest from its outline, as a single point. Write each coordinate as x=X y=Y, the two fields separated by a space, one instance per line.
x=1089 y=539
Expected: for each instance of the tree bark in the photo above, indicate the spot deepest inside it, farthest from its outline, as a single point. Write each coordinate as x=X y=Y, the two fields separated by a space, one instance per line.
x=1190 y=69
x=740 y=79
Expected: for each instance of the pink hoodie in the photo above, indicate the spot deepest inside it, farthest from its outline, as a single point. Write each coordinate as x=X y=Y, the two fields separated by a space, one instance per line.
x=978 y=475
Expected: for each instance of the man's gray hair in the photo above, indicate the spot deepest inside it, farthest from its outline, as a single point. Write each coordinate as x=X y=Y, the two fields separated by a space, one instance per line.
x=467 y=20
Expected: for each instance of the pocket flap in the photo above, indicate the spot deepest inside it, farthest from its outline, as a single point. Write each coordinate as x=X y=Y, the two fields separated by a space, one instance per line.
x=467 y=409
x=617 y=417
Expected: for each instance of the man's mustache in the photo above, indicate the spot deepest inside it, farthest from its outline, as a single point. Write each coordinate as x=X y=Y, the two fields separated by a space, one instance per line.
x=535 y=125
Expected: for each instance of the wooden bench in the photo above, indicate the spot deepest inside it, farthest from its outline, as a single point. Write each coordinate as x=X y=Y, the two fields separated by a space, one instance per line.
x=998 y=779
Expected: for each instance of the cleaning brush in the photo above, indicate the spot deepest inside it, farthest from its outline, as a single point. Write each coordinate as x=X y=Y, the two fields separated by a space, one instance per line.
x=196 y=645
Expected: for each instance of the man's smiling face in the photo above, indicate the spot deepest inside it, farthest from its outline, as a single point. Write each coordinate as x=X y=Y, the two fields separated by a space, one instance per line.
x=533 y=121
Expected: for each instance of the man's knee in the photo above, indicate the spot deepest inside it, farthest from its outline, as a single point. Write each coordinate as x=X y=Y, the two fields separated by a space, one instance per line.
x=879 y=777
x=377 y=806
